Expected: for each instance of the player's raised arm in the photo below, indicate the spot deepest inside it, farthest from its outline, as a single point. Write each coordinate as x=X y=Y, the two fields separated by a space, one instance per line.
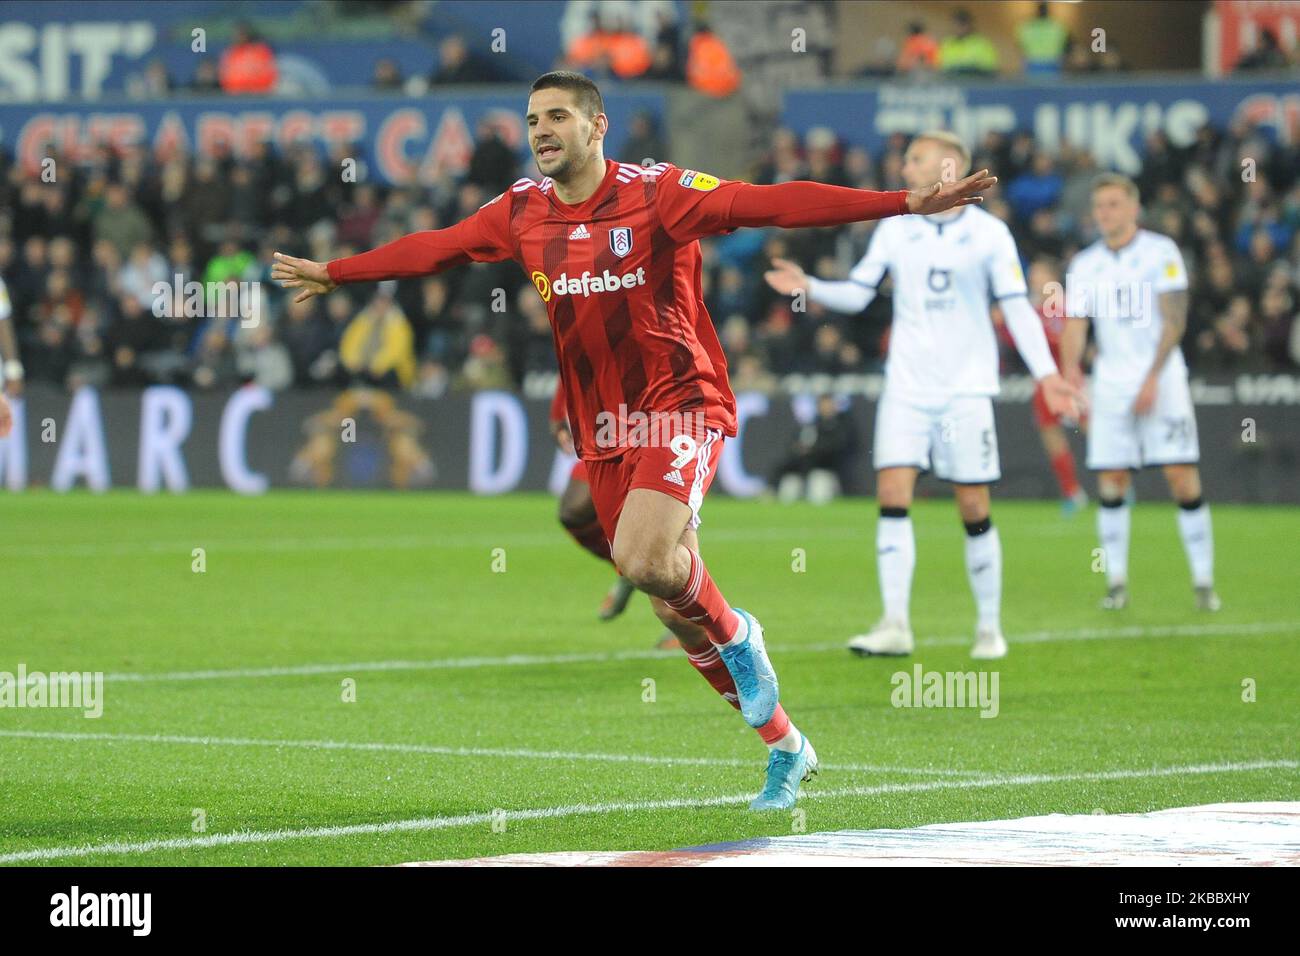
x=694 y=204
x=482 y=237
x=1074 y=336
x=849 y=296
x=797 y=205
x=1007 y=282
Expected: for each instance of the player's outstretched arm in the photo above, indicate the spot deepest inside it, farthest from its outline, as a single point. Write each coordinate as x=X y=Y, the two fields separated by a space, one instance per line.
x=483 y=237
x=1062 y=397
x=788 y=277
x=800 y=205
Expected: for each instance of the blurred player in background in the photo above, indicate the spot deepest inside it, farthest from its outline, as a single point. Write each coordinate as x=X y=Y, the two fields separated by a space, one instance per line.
x=1131 y=284
x=937 y=409
x=1045 y=275
x=613 y=250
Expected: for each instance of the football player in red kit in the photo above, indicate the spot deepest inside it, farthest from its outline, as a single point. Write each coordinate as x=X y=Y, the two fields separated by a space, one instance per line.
x=612 y=249
x=1044 y=276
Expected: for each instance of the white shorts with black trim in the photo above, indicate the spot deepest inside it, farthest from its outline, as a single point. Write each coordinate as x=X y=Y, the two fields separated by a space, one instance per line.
x=954 y=436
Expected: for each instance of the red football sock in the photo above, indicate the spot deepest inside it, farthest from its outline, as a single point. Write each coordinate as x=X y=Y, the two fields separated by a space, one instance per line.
x=1063 y=466
x=776 y=728
x=702 y=603
x=709 y=663
x=592 y=538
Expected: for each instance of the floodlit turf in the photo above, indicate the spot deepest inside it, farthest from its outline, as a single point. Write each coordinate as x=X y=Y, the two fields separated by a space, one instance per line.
x=339 y=587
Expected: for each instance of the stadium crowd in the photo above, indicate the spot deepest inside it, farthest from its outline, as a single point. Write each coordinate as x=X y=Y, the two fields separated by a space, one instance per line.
x=82 y=258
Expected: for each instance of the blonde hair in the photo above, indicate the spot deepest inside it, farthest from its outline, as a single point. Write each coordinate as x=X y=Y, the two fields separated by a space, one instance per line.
x=950 y=141
x=1118 y=180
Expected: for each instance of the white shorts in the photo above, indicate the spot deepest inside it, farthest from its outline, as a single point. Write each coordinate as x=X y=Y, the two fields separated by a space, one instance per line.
x=955 y=437
x=1118 y=439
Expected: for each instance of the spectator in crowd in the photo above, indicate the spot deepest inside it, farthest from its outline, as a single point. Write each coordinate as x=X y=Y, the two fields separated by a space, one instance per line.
x=710 y=67
x=131 y=337
x=207 y=79
x=1037 y=189
x=609 y=48
x=486 y=366
x=154 y=83
x=357 y=223
x=919 y=52
x=666 y=53
x=248 y=64
x=121 y=221
x=1267 y=54
x=644 y=141
x=263 y=359
x=967 y=52
x=823 y=445
x=493 y=163
x=457 y=64
x=145 y=268
x=377 y=347
x=387 y=75
x=1042 y=42
x=307 y=335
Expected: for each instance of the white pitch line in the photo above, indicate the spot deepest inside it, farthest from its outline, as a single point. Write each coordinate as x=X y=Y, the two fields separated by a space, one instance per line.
x=583 y=809
x=443 y=751
x=595 y=657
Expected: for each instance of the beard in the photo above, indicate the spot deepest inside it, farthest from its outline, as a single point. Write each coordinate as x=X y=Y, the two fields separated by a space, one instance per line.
x=562 y=170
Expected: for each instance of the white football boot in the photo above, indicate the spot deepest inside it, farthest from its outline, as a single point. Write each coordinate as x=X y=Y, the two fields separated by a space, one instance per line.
x=989 y=645
x=889 y=638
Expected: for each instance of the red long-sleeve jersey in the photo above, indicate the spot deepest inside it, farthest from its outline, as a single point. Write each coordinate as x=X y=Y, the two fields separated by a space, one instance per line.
x=620 y=275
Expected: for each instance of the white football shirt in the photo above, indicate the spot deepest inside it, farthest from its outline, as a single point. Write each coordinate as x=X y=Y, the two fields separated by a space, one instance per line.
x=945 y=274
x=1118 y=290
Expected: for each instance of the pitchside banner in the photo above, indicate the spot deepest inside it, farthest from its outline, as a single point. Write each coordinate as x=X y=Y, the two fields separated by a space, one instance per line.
x=251 y=440
x=398 y=138
x=1112 y=119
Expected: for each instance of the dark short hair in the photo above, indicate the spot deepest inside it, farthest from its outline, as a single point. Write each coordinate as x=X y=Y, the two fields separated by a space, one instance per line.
x=584 y=91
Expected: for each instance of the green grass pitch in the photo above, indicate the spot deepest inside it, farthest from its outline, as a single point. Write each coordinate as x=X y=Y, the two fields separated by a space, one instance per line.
x=226 y=738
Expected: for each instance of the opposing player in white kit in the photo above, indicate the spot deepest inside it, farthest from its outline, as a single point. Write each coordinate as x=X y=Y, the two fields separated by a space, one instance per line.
x=942 y=371
x=1132 y=285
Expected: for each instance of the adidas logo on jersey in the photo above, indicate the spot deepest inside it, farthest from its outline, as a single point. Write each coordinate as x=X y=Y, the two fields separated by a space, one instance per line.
x=675 y=477
x=580 y=233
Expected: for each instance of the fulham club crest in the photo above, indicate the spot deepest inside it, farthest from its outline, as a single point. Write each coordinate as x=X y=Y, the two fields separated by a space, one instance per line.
x=620 y=240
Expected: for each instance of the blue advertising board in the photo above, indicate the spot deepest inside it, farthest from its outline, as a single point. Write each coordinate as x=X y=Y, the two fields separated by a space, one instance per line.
x=1110 y=118
x=400 y=139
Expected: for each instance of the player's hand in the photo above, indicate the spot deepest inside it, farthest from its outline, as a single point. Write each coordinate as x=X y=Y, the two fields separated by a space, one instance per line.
x=1075 y=377
x=929 y=200
x=312 y=277
x=6 y=417
x=1146 y=397
x=563 y=437
x=1062 y=398
x=14 y=387
x=786 y=277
